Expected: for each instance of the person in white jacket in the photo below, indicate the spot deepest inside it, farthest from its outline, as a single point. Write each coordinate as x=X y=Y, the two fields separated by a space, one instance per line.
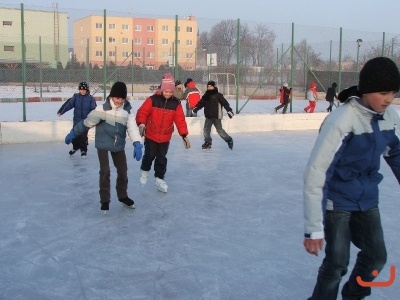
x=113 y=120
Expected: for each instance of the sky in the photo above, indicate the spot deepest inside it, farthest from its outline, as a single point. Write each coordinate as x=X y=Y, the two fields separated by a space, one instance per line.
x=371 y=16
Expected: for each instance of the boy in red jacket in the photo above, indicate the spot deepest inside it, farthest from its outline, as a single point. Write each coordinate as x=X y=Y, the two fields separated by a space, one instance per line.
x=156 y=118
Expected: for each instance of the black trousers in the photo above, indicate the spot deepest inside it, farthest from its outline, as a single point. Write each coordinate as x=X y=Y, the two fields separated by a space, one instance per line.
x=158 y=152
x=119 y=160
x=81 y=142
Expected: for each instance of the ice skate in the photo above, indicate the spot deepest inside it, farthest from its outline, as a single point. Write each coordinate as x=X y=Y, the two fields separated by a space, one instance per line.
x=127 y=202
x=143 y=177
x=105 y=206
x=71 y=152
x=230 y=144
x=83 y=154
x=161 y=185
x=206 y=145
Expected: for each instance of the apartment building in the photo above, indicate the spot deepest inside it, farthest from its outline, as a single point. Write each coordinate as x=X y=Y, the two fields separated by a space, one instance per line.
x=44 y=41
x=145 y=42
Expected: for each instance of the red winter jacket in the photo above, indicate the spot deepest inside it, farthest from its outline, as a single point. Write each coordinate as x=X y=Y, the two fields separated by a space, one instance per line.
x=159 y=115
x=192 y=95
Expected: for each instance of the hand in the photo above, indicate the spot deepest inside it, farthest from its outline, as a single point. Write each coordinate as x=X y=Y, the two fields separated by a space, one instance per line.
x=195 y=110
x=137 y=150
x=69 y=137
x=142 y=130
x=230 y=114
x=186 y=142
x=59 y=114
x=312 y=246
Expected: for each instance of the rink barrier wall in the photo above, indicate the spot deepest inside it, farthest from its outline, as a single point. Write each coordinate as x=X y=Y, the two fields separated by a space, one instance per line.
x=55 y=131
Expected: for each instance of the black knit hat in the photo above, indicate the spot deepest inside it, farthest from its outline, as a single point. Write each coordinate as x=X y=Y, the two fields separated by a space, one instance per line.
x=211 y=82
x=119 y=90
x=379 y=74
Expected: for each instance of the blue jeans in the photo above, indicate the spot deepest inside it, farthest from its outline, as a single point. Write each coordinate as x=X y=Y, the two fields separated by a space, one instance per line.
x=218 y=126
x=364 y=230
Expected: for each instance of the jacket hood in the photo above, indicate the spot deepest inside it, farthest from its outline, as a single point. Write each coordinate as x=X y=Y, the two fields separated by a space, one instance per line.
x=191 y=85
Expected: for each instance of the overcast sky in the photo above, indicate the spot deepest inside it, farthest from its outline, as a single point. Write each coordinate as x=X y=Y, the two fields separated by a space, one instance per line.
x=363 y=15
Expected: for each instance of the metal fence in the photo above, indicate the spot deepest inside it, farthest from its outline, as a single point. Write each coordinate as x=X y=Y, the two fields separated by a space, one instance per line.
x=249 y=60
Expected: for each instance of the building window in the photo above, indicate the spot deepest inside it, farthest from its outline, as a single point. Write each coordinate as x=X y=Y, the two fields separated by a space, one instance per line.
x=189 y=42
x=138 y=41
x=7 y=23
x=99 y=25
x=164 y=28
x=165 y=55
x=189 y=29
x=125 y=40
x=99 y=53
x=138 y=28
x=164 y=41
x=150 y=42
x=9 y=48
x=150 y=54
x=111 y=26
x=137 y=54
x=99 y=39
x=111 y=40
x=150 y=28
x=125 y=54
x=188 y=55
x=125 y=27
x=111 y=53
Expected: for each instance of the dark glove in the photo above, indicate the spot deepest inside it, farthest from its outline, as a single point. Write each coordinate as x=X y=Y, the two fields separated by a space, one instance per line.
x=142 y=130
x=195 y=110
x=69 y=137
x=137 y=150
x=230 y=114
x=186 y=142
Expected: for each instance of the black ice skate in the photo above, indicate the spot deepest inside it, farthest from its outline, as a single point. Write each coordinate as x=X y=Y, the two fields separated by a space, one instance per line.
x=105 y=206
x=206 y=145
x=127 y=202
x=230 y=144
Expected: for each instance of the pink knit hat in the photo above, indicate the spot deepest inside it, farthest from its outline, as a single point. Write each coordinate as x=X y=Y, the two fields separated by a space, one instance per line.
x=167 y=82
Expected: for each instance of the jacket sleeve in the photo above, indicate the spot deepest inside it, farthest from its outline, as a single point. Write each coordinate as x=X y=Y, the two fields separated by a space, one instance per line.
x=224 y=102
x=132 y=129
x=93 y=118
x=200 y=104
x=68 y=105
x=180 y=121
x=93 y=104
x=144 y=111
x=392 y=153
x=319 y=170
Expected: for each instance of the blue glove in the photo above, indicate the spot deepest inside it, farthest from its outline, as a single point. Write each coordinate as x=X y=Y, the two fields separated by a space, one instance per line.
x=69 y=137
x=137 y=150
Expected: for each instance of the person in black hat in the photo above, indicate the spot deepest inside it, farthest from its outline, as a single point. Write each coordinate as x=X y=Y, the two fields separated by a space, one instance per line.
x=213 y=101
x=331 y=96
x=82 y=103
x=341 y=194
x=113 y=121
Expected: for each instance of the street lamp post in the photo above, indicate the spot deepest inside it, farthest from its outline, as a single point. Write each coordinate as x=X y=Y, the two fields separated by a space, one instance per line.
x=359 y=42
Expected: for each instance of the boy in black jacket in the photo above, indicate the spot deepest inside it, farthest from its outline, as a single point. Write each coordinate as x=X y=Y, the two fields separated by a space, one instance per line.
x=213 y=101
x=331 y=96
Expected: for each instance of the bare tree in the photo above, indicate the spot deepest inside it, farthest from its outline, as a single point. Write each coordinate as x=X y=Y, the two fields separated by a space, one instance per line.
x=223 y=39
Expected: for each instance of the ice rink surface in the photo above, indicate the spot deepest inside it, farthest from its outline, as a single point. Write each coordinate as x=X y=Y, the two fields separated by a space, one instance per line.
x=230 y=226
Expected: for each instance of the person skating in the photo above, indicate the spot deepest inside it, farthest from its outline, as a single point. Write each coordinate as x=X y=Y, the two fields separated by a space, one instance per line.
x=213 y=101
x=156 y=118
x=341 y=195
x=113 y=120
x=331 y=96
x=82 y=103
x=312 y=98
x=284 y=98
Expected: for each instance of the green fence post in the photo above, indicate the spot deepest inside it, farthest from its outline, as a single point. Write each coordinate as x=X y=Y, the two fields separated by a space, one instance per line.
x=40 y=68
x=237 y=64
x=104 y=57
x=340 y=59
x=291 y=65
x=383 y=44
x=23 y=65
x=87 y=62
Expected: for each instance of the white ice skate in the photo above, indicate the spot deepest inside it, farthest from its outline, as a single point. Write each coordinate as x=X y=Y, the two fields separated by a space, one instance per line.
x=143 y=177
x=161 y=185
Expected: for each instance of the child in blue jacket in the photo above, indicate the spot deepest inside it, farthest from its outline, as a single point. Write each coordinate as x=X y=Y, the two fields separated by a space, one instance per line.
x=341 y=181
x=82 y=103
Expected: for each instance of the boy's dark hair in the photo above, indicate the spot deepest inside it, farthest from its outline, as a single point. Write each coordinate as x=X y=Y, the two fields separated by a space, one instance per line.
x=379 y=74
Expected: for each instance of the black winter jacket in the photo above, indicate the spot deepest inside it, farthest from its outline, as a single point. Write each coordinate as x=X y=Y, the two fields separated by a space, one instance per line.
x=213 y=101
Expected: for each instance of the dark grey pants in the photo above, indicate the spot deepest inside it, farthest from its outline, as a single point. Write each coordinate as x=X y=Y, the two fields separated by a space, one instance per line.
x=119 y=160
x=218 y=126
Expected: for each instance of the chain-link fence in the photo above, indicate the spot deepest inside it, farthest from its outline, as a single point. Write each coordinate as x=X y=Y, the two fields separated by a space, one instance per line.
x=249 y=60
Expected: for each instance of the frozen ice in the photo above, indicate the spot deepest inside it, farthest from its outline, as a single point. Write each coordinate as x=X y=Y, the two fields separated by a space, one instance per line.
x=230 y=226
